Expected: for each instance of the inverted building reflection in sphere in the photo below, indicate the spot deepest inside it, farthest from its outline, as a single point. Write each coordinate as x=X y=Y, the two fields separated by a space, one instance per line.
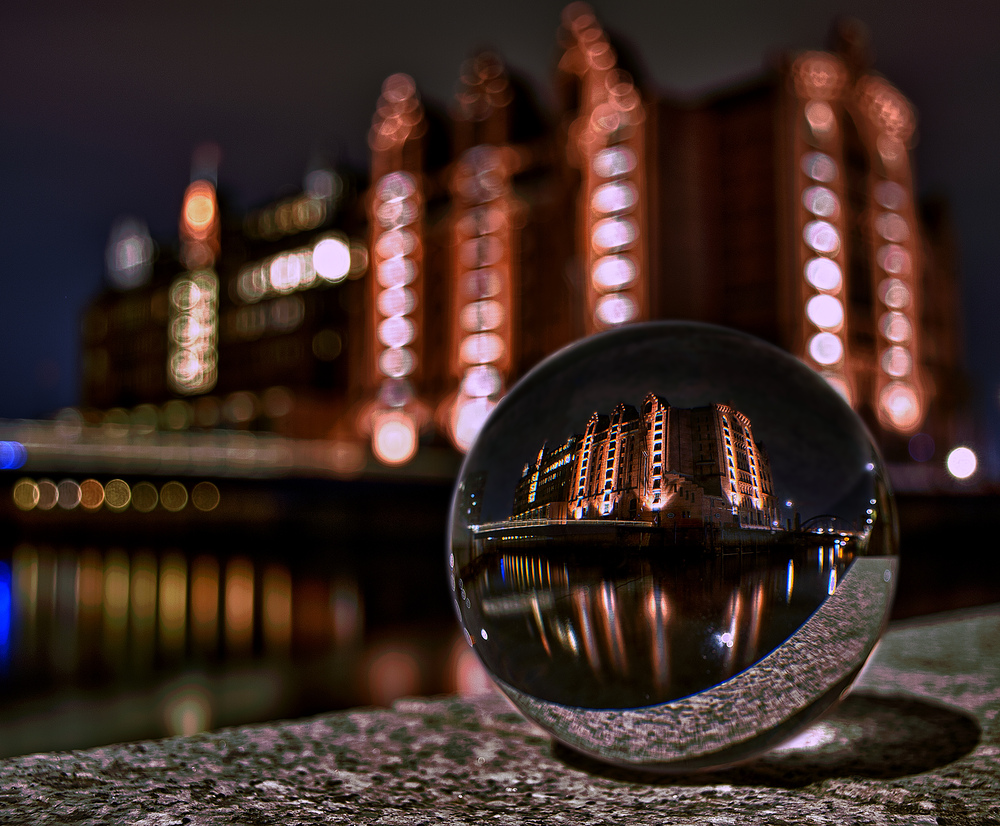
x=673 y=546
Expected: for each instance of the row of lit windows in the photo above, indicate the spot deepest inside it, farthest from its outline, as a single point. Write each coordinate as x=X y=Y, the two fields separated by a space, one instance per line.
x=397 y=244
x=116 y=495
x=614 y=234
x=819 y=80
x=610 y=142
x=192 y=361
x=483 y=259
x=822 y=236
x=898 y=398
x=329 y=261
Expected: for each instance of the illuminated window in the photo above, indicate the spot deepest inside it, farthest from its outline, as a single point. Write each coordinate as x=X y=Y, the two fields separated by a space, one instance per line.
x=193 y=330
x=819 y=167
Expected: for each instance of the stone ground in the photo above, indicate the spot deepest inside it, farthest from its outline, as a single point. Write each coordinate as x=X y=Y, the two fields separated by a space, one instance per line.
x=916 y=742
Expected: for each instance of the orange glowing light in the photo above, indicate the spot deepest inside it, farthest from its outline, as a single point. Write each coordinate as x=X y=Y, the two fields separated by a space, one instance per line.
x=199 y=209
x=90 y=582
x=393 y=673
x=116 y=594
x=173 y=602
x=277 y=608
x=142 y=605
x=820 y=117
x=25 y=494
x=819 y=75
x=898 y=402
x=187 y=709
x=91 y=494
x=394 y=438
x=239 y=606
x=205 y=602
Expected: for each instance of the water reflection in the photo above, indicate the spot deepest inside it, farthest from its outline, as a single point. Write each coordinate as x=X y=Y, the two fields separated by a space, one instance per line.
x=634 y=630
x=68 y=612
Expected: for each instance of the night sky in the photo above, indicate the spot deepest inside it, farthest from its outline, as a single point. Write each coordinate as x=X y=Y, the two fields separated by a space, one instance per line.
x=102 y=104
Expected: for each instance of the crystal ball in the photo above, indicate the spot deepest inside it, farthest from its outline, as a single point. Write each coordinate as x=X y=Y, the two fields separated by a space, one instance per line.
x=673 y=546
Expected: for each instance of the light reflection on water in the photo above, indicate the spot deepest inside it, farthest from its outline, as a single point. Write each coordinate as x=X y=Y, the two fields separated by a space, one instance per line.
x=90 y=612
x=643 y=629
x=109 y=643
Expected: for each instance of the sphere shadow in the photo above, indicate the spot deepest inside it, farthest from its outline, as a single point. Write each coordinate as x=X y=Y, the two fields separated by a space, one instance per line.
x=868 y=735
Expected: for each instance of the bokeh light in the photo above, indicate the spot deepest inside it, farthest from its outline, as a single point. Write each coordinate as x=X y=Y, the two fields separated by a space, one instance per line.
x=468 y=417
x=25 y=494
x=205 y=603
x=205 y=496
x=129 y=255
x=69 y=494
x=822 y=236
x=394 y=438
x=819 y=167
x=823 y=274
x=144 y=497
x=825 y=311
x=238 y=601
x=117 y=494
x=187 y=708
x=393 y=672
x=13 y=455
x=826 y=348
x=898 y=400
x=48 y=494
x=173 y=603
x=91 y=494
x=174 y=496
x=277 y=609
x=331 y=258
x=961 y=462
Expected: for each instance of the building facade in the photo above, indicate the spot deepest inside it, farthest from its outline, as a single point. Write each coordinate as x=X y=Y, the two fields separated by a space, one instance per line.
x=397 y=306
x=668 y=466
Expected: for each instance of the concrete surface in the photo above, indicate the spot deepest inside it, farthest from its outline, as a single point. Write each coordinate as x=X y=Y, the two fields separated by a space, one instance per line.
x=916 y=742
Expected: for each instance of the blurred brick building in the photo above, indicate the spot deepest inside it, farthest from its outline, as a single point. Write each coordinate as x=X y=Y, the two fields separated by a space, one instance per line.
x=394 y=307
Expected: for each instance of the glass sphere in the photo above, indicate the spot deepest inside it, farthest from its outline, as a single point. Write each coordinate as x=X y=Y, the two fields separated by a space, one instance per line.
x=673 y=546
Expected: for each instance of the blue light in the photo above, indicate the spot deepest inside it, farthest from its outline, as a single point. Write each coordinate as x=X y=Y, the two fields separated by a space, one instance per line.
x=12 y=455
x=5 y=614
